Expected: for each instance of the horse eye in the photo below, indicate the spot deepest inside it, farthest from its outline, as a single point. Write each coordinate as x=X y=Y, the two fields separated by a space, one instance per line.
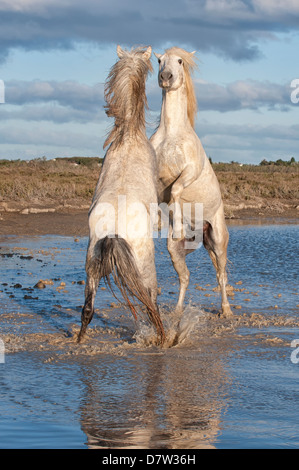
x=180 y=61
x=159 y=61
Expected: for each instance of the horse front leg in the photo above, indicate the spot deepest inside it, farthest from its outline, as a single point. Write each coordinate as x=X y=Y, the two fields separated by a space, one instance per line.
x=178 y=253
x=177 y=221
x=186 y=177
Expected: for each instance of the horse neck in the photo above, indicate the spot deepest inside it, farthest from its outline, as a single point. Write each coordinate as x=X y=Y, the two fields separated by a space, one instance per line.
x=174 y=113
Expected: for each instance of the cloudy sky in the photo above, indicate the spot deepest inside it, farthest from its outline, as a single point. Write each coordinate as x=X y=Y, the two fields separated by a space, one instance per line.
x=55 y=56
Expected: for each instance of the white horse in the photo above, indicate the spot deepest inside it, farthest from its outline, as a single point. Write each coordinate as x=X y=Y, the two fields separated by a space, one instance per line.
x=120 y=241
x=185 y=173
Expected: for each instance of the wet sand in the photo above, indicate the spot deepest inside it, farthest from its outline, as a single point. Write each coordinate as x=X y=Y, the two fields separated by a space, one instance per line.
x=48 y=223
x=75 y=222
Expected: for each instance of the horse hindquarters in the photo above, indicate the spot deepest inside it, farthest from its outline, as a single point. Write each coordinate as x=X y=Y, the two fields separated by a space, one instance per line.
x=114 y=256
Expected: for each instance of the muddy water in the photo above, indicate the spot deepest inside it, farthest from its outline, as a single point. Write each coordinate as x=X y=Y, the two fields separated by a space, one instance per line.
x=227 y=384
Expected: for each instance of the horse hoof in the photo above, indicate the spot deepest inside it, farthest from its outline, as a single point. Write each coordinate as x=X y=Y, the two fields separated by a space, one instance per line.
x=178 y=310
x=80 y=336
x=226 y=312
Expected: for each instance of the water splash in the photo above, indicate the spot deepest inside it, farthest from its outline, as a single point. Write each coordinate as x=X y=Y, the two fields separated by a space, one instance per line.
x=179 y=327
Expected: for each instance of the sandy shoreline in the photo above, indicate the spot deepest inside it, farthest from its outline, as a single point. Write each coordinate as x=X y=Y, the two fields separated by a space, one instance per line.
x=72 y=222
x=69 y=223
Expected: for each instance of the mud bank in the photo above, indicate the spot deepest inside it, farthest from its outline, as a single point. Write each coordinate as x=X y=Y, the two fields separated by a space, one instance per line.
x=67 y=222
x=74 y=222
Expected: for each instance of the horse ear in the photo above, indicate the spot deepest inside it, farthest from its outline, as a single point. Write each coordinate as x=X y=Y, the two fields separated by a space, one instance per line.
x=147 y=53
x=158 y=55
x=119 y=51
x=192 y=52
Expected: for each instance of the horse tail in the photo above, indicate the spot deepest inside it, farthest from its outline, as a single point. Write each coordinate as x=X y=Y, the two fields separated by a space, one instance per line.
x=114 y=256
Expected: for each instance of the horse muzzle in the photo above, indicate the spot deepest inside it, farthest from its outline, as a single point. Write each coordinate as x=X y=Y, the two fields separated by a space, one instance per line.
x=165 y=79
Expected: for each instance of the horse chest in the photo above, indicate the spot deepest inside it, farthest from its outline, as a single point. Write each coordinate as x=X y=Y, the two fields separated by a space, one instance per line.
x=171 y=160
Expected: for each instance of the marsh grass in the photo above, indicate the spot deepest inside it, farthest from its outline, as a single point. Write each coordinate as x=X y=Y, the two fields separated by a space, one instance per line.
x=73 y=180
x=255 y=182
x=61 y=180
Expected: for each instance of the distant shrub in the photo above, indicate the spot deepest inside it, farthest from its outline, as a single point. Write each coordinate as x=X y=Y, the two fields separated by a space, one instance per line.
x=85 y=161
x=278 y=162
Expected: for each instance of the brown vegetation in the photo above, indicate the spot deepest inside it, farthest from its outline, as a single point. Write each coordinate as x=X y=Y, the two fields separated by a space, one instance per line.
x=71 y=182
x=269 y=187
x=60 y=181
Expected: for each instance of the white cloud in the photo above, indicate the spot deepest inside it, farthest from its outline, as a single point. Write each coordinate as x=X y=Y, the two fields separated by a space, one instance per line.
x=249 y=143
x=67 y=93
x=52 y=113
x=38 y=139
x=239 y=95
x=56 y=118
x=32 y=5
x=70 y=101
x=276 y=8
x=63 y=112
x=232 y=28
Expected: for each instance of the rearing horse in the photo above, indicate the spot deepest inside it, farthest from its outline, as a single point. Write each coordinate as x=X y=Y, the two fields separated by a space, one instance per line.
x=185 y=174
x=120 y=242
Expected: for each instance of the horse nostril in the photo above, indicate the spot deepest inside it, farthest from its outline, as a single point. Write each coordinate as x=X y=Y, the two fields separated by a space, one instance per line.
x=166 y=76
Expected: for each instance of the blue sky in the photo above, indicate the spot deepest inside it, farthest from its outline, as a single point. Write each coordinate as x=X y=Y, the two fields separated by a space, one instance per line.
x=55 y=57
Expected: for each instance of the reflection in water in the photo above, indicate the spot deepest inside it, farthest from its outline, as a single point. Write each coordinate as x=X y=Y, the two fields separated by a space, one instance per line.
x=226 y=381
x=171 y=400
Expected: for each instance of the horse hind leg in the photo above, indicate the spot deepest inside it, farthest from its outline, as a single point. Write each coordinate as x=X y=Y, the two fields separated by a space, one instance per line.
x=216 y=241
x=147 y=275
x=92 y=283
x=153 y=295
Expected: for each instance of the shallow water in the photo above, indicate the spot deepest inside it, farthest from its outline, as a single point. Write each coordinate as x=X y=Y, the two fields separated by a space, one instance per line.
x=229 y=383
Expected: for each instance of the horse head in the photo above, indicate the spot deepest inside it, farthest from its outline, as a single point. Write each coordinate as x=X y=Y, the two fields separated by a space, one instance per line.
x=174 y=64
